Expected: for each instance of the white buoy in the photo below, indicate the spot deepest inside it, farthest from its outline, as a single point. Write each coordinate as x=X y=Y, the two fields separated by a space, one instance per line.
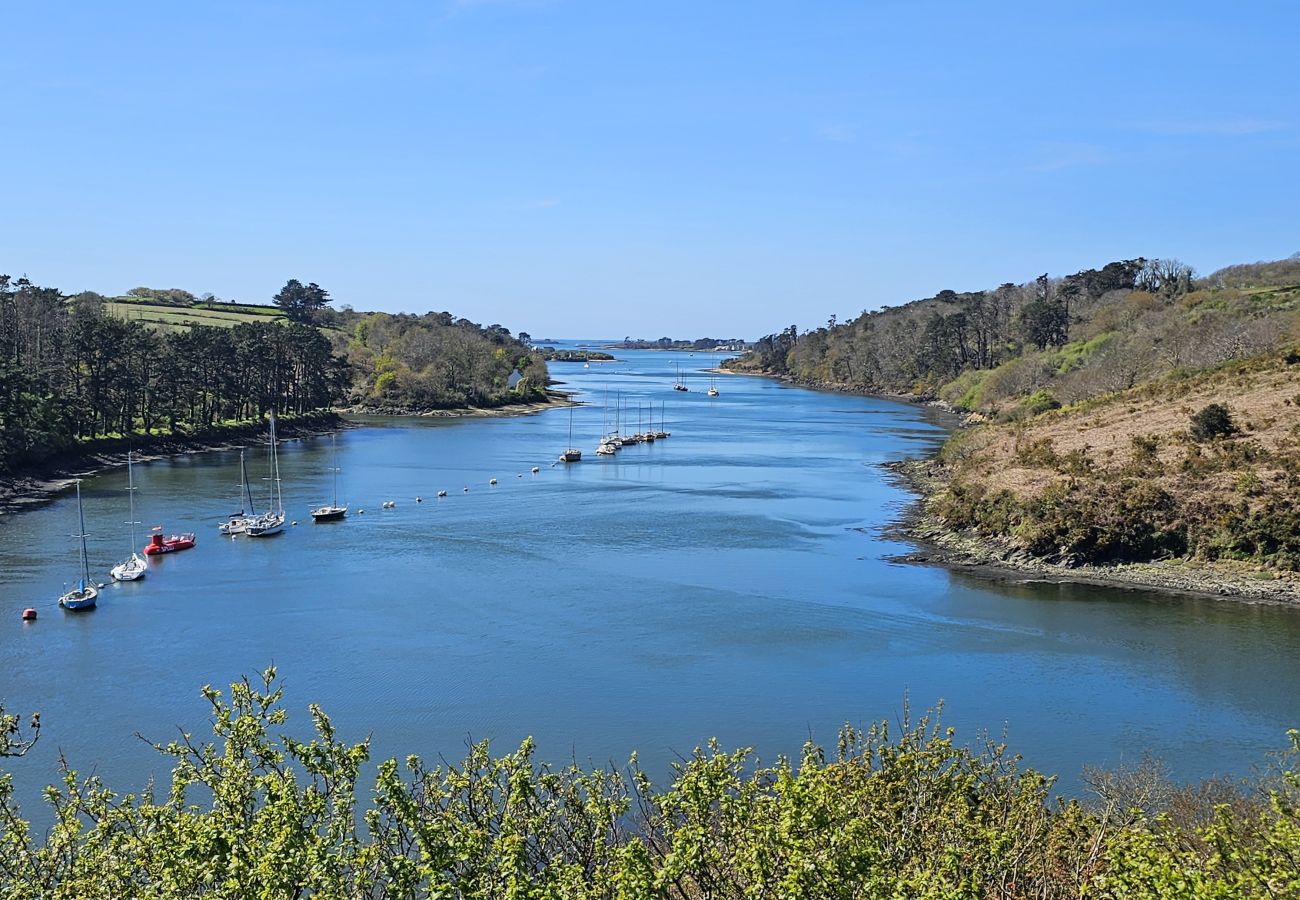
x=492 y=481
x=360 y=511
x=293 y=523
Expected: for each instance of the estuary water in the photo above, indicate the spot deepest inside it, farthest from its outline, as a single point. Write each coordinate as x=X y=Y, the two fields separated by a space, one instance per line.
x=732 y=581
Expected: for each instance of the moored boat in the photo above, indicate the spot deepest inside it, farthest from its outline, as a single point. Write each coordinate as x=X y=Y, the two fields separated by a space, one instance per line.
x=134 y=567
x=85 y=594
x=573 y=454
x=160 y=543
x=238 y=522
x=334 y=512
x=272 y=521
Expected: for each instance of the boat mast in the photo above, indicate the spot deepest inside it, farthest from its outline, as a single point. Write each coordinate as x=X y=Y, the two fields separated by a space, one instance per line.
x=245 y=487
x=130 y=493
x=275 y=472
x=81 y=517
x=334 y=464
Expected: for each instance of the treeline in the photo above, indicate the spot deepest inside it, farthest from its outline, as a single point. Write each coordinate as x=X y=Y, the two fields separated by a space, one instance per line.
x=1096 y=331
x=906 y=812
x=667 y=343
x=70 y=372
x=434 y=361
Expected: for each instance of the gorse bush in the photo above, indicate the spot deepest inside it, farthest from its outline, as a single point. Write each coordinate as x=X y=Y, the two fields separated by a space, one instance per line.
x=1211 y=422
x=893 y=813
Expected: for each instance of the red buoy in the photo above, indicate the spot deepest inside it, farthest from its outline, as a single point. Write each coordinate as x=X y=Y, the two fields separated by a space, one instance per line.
x=29 y=615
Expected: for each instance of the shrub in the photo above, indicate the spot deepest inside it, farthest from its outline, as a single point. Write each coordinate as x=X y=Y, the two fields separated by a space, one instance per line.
x=1211 y=422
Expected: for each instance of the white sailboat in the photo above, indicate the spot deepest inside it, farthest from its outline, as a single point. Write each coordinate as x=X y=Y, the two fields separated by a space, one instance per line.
x=334 y=512
x=713 y=377
x=272 y=521
x=134 y=567
x=238 y=522
x=84 y=595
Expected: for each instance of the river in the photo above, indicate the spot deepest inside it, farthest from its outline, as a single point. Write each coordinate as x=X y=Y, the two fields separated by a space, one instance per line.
x=733 y=581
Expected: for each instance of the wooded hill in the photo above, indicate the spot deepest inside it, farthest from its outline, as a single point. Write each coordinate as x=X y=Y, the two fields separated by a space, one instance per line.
x=1088 y=387
x=76 y=369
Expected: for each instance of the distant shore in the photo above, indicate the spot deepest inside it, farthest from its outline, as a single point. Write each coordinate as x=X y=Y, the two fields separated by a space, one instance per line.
x=554 y=400
x=35 y=485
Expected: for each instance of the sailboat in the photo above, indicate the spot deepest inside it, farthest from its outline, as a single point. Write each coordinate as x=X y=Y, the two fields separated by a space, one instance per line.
x=572 y=454
x=678 y=385
x=84 y=595
x=333 y=512
x=135 y=567
x=713 y=378
x=238 y=522
x=272 y=521
x=661 y=433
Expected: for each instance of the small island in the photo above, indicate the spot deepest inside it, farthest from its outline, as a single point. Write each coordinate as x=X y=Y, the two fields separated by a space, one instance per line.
x=551 y=354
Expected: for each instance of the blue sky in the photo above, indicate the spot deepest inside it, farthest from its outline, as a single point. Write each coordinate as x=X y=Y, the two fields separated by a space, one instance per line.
x=609 y=168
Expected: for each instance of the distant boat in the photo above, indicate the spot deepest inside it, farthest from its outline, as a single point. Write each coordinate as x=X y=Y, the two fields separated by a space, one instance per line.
x=679 y=385
x=572 y=454
x=334 y=512
x=135 y=567
x=85 y=594
x=661 y=433
x=272 y=521
x=239 y=521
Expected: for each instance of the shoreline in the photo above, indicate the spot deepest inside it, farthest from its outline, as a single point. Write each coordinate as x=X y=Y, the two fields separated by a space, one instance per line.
x=34 y=487
x=554 y=400
x=996 y=559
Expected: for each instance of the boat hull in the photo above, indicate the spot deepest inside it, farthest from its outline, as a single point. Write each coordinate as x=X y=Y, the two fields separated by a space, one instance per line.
x=131 y=570
x=79 y=599
x=158 y=544
x=329 y=513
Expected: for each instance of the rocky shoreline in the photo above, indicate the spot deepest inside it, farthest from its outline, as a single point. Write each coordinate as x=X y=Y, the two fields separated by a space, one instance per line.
x=37 y=485
x=994 y=558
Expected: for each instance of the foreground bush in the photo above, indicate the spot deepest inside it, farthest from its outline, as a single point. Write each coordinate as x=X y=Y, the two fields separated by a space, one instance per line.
x=258 y=814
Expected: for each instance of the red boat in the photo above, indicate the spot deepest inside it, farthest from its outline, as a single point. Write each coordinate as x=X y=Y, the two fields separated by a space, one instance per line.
x=159 y=544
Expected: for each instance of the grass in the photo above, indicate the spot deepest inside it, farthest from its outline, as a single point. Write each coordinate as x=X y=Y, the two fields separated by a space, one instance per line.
x=168 y=317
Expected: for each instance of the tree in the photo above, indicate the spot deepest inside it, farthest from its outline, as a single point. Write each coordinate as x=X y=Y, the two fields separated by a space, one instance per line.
x=300 y=302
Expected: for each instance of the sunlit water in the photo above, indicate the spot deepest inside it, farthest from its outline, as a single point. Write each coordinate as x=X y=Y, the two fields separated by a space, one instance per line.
x=731 y=581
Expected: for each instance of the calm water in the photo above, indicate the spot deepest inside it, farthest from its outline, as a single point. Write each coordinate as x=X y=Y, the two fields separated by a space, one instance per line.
x=731 y=581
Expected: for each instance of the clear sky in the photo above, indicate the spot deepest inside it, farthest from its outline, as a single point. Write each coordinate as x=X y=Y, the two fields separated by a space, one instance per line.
x=597 y=167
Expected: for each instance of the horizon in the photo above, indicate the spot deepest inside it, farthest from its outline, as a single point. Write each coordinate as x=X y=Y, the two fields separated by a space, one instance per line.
x=569 y=167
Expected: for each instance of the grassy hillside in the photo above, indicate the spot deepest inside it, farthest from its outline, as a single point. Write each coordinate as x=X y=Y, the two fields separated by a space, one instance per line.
x=176 y=317
x=1084 y=388
x=1126 y=476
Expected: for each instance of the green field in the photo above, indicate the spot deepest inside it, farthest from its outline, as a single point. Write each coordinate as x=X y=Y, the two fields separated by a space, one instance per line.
x=171 y=317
